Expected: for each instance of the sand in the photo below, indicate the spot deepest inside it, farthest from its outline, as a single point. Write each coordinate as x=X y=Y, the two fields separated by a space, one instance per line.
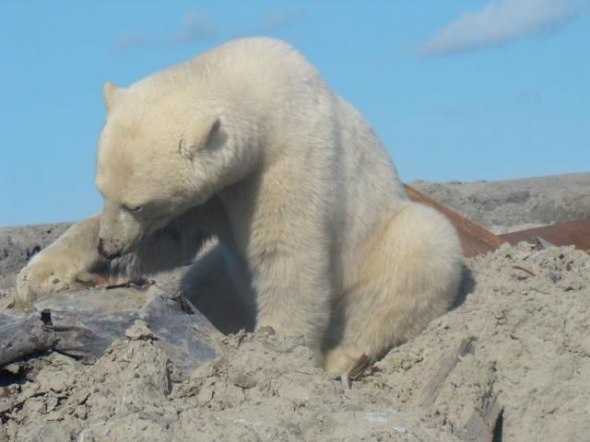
x=524 y=315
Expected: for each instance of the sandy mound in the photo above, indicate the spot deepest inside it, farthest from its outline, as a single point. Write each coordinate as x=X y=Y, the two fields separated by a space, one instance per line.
x=523 y=326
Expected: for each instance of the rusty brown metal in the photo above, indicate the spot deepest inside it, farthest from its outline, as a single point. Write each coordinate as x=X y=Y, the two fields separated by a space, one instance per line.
x=570 y=233
x=474 y=238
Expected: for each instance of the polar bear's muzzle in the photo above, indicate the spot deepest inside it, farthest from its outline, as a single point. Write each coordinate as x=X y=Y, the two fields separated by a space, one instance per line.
x=104 y=252
x=119 y=234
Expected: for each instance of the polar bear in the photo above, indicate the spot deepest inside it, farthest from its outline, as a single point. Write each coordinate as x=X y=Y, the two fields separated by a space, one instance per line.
x=246 y=142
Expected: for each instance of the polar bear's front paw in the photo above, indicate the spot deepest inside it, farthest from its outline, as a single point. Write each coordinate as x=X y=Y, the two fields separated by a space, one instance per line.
x=346 y=363
x=43 y=276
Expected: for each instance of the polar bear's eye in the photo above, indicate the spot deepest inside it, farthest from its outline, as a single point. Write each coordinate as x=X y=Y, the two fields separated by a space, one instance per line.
x=131 y=208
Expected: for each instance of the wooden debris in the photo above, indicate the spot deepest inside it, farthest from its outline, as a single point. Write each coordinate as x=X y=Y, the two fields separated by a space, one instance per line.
x=527 y=271
x=475 y=239
x=82 y=324
x=23 y=338
x=447 y=364
x=485 y=424
x=562 y=234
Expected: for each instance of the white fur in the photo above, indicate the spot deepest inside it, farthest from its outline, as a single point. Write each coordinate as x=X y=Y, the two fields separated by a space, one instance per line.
x=247 y=142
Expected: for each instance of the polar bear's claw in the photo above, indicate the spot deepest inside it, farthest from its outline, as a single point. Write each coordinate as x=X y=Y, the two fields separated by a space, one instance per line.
x=347 y=364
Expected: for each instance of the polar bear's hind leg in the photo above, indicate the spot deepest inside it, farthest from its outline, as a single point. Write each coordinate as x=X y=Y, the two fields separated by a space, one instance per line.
x=408 y=277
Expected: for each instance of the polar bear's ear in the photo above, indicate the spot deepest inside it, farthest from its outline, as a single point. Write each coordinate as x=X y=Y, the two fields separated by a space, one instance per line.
x=202 y=135
x=111 y=94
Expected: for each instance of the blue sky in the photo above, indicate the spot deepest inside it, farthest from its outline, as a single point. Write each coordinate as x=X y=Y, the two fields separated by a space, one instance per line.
x=456 y=90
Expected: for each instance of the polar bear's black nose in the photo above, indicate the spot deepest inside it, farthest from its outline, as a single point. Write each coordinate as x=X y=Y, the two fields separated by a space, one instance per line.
x=104 y=253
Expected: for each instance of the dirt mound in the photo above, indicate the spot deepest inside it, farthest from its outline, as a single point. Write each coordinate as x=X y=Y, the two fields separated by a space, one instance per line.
x=525 y=319
x=518 y=342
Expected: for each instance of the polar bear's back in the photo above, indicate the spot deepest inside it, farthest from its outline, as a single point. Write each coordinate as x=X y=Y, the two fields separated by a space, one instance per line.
x=250 y=66
x=272 y=92
x=250 y=54
x=335 y=146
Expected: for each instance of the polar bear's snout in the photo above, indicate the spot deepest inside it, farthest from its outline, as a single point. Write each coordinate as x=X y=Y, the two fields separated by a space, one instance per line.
x=110 y=247
x=105 y=253
x=120 y=231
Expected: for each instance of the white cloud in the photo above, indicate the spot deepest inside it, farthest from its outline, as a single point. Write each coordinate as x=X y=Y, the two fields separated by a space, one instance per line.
x=199 y=26
x=498 y=22
x=281 y=19
x=195 y=26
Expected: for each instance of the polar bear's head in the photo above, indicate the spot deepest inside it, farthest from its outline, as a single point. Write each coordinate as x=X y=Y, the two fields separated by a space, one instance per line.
x=157 y=157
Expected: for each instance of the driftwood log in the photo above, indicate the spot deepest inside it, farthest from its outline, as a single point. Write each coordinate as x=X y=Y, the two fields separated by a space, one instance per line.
x=485 y=422
x=83 y=324
x=446 y=366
